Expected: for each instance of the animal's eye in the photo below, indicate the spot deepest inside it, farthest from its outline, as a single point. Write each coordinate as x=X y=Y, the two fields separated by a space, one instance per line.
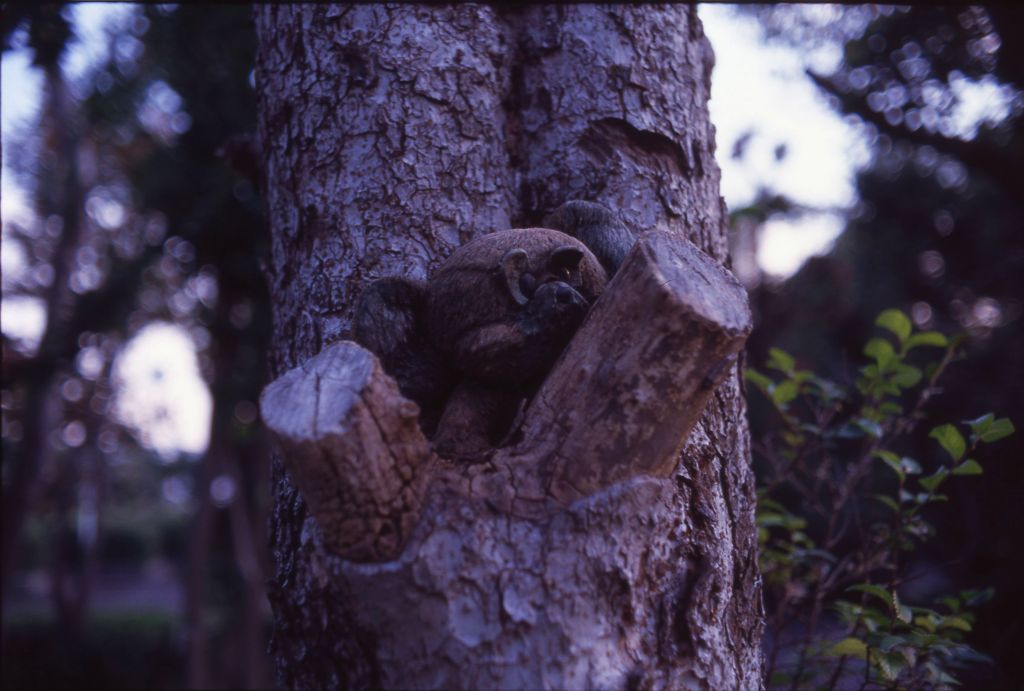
x=527 y=283
x=564 y=263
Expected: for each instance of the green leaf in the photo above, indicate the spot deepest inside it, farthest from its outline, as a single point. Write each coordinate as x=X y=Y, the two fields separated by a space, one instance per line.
x=895 y=465
x=875 y=617
x=793 y=439
x=852 y=647
x=973 y=598
x=784 y=393
x=876 y=590
x=906 y=376
x=822 y=554
x=781 y=360
x=950 y=439
x=848 y=611
x=757 y=379
x=927 y=338
x=901 y=466
x=849 y=431
x=910 y=466
x=869 y=373
x=787 y=521
x=909 y=654
x=956 y=623
x=889 y=388
x=766 y=502
x=949 y=680
x=895 y=321
x=881 y=350
x=890 y=642
x=980 y=424
x=803 y=376
x=968 y=467
x=888 y=501
x=870 y=427
x=889 y=664
x=998 y=430
x=827 y=390
x=890 y=408
x=886 y=455
x=903 y=613
x=934 y=480
x=938 y=676
x=969 y=654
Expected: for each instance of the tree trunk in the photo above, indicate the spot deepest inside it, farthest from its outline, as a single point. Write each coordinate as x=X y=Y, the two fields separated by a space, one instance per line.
x=60 y=195
x=394 y=134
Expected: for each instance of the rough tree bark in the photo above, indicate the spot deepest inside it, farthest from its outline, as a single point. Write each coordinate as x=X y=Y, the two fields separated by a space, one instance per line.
x=392 y=135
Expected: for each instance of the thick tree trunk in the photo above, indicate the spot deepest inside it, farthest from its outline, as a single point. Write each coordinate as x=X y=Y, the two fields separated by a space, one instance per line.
x=391 y=136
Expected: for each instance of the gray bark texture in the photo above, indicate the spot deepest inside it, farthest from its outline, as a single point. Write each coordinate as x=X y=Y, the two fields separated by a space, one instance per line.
x=391 y=135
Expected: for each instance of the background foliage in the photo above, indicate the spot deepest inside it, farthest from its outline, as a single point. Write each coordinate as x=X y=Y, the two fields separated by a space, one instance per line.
x=139 y=206
x=937 y=233
x=835 y=537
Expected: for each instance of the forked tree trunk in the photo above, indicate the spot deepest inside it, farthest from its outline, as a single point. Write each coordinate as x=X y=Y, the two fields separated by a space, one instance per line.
x=394 y=134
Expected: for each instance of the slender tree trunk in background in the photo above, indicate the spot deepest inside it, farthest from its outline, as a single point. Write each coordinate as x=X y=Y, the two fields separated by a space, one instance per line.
x=243 y=540
x=249 y=530
x=65 y=587
x=60 y=195
x=197 y=660
x=247 y=669
x=225 y=457
x=391 y=136
x=92 y=492
x=75 y=490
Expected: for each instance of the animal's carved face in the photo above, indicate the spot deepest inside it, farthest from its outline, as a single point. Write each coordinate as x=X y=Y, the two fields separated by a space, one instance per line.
x=561 y=266
x=504 y=305
x=550 y=300
x=557 y=310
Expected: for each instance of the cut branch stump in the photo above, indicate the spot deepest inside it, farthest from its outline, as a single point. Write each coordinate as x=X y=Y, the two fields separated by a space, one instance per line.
x=619 y=403
x=635 y=379
x=353 y=446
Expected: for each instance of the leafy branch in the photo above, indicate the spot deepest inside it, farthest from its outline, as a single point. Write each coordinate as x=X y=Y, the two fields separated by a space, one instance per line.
x=834 y=565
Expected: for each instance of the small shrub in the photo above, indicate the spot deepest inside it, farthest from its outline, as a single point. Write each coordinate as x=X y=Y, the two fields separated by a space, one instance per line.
x=835 y=533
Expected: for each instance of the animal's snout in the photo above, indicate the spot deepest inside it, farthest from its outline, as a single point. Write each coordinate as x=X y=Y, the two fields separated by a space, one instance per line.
x=563 y=294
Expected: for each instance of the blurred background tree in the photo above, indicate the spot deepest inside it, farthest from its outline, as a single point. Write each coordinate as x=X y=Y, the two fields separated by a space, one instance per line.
x=140 y=223
x=937 y=232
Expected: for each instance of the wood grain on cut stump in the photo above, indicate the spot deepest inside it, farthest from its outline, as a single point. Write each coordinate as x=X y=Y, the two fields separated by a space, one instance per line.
x=625 y=394
x=352 y=444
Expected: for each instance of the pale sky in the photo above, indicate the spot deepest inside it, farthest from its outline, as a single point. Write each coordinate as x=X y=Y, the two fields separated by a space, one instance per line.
x=762 y=88
x=753 y=87
x=160 y=374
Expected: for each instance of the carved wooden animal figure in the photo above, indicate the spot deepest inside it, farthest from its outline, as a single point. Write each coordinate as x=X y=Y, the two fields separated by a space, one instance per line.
x=617 y=404
x=476 y=340
x=504 y=305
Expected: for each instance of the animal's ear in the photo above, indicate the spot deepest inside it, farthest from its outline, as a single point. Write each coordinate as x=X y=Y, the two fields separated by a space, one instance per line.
x=596 y=227
x=565 y=263
x=387 y=315
x=512 y=266
x=389 y=321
